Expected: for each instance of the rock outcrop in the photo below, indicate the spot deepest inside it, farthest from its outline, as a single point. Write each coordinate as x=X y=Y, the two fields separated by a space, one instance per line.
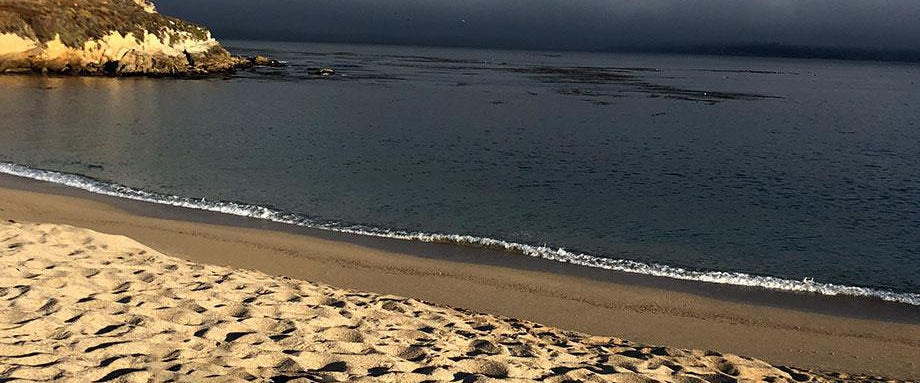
x=105 y=37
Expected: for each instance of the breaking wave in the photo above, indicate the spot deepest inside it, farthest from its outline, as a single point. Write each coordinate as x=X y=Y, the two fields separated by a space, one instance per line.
x=555 y=254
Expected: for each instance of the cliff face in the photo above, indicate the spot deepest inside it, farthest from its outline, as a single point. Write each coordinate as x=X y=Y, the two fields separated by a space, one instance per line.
x=105 y=37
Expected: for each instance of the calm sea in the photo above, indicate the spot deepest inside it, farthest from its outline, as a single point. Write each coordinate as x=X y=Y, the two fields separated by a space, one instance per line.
x=787 y=174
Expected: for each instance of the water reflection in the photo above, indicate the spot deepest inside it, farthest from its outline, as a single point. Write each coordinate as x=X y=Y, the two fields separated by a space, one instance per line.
x=819 y=181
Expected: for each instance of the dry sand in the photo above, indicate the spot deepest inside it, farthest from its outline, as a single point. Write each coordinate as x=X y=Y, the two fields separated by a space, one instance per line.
x=77 y=305
x=683 y=318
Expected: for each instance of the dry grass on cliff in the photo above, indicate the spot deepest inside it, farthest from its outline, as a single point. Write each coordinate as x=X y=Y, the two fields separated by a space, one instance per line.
x=77 y=21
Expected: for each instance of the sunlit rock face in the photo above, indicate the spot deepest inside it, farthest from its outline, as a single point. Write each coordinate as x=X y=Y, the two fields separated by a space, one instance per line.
x=105 y=37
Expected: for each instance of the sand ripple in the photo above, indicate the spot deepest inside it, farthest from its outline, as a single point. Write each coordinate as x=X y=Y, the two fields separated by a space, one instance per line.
x=77 y=305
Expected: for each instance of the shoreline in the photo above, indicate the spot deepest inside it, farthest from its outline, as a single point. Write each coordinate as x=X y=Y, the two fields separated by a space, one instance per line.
x=244 y=215
x=825 y=333
x=114 y=309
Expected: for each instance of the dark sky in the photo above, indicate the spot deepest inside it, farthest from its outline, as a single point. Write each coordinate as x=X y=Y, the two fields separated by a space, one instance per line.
x=564 y=24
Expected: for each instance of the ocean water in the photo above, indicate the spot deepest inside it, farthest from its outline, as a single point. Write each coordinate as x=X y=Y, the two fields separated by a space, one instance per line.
x=786 y=174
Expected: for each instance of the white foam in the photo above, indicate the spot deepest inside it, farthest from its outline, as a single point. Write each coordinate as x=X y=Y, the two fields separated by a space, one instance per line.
x=555 y=254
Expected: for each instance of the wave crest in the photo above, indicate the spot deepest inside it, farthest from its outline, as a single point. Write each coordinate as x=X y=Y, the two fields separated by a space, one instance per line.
x=554 y=254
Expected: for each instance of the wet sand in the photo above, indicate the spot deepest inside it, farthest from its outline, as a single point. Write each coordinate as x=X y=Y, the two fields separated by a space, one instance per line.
x=820 y=333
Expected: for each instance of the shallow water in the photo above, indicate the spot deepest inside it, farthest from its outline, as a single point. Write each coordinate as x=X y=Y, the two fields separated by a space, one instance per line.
x=787 y=168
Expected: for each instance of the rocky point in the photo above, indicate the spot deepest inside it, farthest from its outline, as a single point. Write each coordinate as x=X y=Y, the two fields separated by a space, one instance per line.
x=106 y=37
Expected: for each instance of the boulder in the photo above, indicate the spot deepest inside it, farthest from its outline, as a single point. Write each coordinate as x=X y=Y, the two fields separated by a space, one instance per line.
x=265 y=61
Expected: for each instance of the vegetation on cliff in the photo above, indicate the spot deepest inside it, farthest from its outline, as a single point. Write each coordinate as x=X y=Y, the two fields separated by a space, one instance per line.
x=115 y=37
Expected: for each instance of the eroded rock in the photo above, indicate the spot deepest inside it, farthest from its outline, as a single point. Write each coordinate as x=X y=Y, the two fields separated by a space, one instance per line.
x=114 y=37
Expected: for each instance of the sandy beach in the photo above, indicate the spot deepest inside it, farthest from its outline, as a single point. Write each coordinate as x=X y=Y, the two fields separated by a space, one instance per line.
x=85 y=306
x=164 y=298
x=669 y=191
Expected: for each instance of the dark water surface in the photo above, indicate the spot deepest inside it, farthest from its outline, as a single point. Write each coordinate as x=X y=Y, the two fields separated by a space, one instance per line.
x=787 y=168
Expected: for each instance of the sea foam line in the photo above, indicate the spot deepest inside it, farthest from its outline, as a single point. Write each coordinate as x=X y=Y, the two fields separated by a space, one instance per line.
x=554 y=254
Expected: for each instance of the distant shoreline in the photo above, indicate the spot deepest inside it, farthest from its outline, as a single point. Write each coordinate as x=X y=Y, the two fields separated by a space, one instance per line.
x=780 y=51
x=776 y=51
x=836 y=335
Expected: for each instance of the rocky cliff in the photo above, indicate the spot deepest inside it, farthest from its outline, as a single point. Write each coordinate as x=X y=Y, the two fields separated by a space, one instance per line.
x=105 y=37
